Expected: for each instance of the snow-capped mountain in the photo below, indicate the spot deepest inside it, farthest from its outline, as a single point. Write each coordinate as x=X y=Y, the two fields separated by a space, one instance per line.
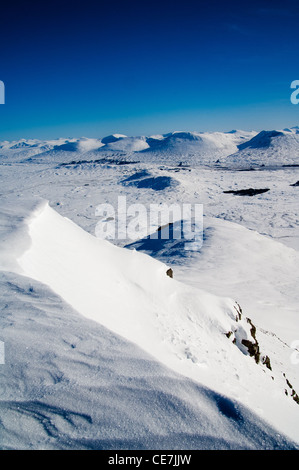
x=237 y=148
x=270 y=148
x=192 y=147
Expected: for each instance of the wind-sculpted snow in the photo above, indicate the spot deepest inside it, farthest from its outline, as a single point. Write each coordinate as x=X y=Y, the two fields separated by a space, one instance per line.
x=69 y=383
x=196 y=334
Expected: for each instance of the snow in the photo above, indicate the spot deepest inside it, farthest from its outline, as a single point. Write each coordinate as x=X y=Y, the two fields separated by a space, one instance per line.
x=183 y=328
x=109 y=139
x=269 y=148
x=194 y=147
x=229 y=262
x=89 y=315
x=69 y=383
x=125 y=144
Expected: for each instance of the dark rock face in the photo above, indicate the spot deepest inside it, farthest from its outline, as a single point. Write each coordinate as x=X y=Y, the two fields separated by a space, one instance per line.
x=253 y=349
x=99 y=161
x=252 y=346
x=169 y=272
x=247 y=192
x=295 y=184
x=292 y=392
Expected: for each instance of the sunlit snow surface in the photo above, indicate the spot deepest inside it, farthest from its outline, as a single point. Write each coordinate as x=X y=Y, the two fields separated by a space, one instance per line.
x=94 y=332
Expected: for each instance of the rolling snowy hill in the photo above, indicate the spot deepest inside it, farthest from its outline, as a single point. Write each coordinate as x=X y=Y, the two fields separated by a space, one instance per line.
x=268 y=148
x=198 y=148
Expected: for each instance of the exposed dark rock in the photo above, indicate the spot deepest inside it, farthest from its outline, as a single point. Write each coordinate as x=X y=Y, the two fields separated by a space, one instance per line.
x=239 y=311
x=252 y=346
x=176 y=169
x=253 y=349
x=294 y=395
x=295 y=184
x=99 y=161
x=169 y=272
x=159 y=229
x=252 y=329
x=266 y=361
x=296 y=399
x=247 y=192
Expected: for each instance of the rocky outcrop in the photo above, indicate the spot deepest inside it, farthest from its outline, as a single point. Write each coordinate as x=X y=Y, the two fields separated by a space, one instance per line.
x=252 y=347
x=247 y=192
x=169 y=272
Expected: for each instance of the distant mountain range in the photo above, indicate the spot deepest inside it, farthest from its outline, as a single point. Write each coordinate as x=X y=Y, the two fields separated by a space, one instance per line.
x=237 y=147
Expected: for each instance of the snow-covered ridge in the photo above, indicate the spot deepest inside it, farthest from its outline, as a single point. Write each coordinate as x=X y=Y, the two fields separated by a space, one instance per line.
x=242 y=148
x=72 y=384
x=208 y=146
x=236 y=148
x=268 y=148
x=199 y=335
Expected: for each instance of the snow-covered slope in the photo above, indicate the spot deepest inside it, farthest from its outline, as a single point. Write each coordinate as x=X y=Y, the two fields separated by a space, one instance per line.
x=194 y=147
x=26 y=150
x=203 y=144
x=203 y=337
x=229 y=262
x=269 y=148
x=191 y=147
x=69 y=383
x=124 y=144
x=238 y=148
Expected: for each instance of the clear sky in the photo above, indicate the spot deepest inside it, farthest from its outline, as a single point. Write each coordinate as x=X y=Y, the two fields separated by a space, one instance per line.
x=85 y=68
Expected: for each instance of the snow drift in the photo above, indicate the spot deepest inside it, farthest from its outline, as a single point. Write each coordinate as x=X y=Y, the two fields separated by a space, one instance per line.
x=72 y=384
x=196 y=334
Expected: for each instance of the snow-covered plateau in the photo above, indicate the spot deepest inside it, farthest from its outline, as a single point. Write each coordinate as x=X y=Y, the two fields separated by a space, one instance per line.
x=142 y=343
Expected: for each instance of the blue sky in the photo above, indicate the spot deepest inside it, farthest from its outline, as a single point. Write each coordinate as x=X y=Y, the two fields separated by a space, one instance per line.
x=90 y=69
